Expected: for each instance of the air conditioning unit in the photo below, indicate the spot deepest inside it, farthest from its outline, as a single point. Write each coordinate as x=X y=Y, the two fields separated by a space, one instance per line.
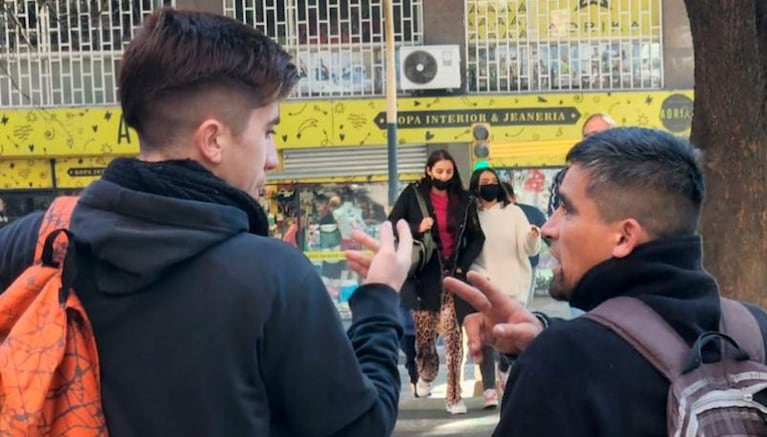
x=430 y=67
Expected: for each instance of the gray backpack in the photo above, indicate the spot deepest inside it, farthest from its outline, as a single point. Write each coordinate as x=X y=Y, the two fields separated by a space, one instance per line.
x=709 y=399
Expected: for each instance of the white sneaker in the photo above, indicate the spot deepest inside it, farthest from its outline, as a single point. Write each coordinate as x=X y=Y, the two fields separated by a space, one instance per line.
x=456 y=408
x=423 y=388
x=491 y=398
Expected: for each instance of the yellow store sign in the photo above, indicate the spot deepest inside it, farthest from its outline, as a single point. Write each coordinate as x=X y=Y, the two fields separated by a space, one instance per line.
x=83 y=141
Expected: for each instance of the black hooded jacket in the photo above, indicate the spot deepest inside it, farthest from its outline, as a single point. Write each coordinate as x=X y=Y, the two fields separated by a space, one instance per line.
x=424 y=291
x=204 y=329
x=579 y=378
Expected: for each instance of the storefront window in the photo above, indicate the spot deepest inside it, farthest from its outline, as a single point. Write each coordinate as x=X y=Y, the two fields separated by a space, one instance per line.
x=318 y=218
x=18 y=203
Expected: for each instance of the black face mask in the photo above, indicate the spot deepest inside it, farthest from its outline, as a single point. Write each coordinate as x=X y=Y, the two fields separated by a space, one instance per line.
x=489 y=192
x=440 y=185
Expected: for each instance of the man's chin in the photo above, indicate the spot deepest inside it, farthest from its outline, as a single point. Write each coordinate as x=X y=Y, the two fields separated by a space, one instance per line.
x=559 y=295
x=558 y=291
x=257 y=191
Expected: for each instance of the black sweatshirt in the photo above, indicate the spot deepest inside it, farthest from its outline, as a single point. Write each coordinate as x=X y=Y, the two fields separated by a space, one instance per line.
x=579 y=378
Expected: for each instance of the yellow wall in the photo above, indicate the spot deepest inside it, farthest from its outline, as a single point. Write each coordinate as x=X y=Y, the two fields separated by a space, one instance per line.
x=532 y=129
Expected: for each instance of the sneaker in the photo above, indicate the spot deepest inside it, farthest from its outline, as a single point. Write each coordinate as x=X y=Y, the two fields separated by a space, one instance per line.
x=423 y=388
x=456 y=407
x=491 y=398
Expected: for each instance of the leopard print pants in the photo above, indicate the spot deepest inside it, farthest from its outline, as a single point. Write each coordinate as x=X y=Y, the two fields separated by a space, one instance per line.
x=427 y=324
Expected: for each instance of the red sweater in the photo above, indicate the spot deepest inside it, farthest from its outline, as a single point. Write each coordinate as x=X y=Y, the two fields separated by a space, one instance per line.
x=440 y=204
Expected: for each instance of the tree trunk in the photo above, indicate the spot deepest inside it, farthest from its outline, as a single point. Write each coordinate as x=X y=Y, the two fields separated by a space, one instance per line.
x=730 y=126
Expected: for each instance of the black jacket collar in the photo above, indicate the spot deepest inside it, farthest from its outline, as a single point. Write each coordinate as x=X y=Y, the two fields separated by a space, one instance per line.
x=667 y=275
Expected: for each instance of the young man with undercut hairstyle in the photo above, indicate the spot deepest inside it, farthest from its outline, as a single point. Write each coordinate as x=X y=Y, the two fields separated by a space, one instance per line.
x=204 y=325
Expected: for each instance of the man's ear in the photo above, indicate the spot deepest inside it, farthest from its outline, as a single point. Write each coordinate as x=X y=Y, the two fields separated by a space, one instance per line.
x=210 y=139
x=630 y=235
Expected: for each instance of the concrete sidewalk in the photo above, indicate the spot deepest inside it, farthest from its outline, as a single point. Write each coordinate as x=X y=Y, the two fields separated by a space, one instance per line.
x=428 y=417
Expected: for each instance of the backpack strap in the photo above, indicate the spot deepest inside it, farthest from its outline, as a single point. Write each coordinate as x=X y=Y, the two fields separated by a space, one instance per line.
x=739 y=323
x=645 y=330
x=57 y=216
x=421 y=203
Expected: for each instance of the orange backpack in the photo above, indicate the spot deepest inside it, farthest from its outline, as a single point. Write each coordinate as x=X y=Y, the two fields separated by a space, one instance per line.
x=49 y=367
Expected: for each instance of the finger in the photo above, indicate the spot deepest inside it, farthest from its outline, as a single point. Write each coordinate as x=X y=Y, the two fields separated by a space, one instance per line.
x=405 y=247
x=470 y=294
x=473 y=325
x=359 y=257
x=494 y=295
x=386 y=235
x=366 y=240
x=476 y=352
x=358 y=268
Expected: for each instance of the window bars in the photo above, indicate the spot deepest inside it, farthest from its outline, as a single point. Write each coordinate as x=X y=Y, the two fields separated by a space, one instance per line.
x=338 y=45
x=65 y=52
x=573 y=45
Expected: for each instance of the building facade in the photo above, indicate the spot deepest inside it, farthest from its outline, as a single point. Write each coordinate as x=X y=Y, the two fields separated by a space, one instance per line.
x=530 y=70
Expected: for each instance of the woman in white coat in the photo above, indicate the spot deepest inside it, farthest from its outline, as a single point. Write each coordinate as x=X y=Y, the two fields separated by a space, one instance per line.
x=509 y=238
x=509 y=242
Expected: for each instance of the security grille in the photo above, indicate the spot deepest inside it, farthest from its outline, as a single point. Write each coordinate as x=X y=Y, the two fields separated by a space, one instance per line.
x=347 y=162
x=65 y=52
x=549 y=45
x=338 y=45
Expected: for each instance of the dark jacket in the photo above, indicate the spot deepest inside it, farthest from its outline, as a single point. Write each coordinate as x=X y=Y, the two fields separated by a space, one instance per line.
x=204 y=329
x=424 y=291
x=579 y=378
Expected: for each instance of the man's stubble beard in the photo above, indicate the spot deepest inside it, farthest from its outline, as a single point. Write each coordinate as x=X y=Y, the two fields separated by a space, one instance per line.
x=557 y=288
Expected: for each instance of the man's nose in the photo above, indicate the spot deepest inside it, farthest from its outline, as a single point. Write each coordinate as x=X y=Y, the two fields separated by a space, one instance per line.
x=550 y=228
x=272 y=159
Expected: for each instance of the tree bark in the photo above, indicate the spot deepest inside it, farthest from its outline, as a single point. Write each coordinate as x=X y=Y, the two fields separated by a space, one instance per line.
x=730 y=127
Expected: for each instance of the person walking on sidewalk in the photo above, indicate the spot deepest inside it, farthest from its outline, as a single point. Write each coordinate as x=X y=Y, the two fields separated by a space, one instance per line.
x=452 y=222
x=509 y=242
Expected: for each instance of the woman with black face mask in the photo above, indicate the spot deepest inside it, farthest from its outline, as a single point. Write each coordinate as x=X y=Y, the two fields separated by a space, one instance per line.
x=511 y=239
x=451 y=219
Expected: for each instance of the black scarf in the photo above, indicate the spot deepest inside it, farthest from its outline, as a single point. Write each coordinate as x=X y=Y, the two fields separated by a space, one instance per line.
x=667 y=275
x=188 y=180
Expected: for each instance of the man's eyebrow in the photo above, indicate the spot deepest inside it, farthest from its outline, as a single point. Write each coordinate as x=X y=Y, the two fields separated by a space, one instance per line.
x=275 y=121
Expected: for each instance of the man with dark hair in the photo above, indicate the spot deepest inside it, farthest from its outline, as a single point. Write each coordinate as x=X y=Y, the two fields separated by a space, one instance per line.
x=536 y=217
x=594 y=123
x=626 y=226
x=204 y=325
